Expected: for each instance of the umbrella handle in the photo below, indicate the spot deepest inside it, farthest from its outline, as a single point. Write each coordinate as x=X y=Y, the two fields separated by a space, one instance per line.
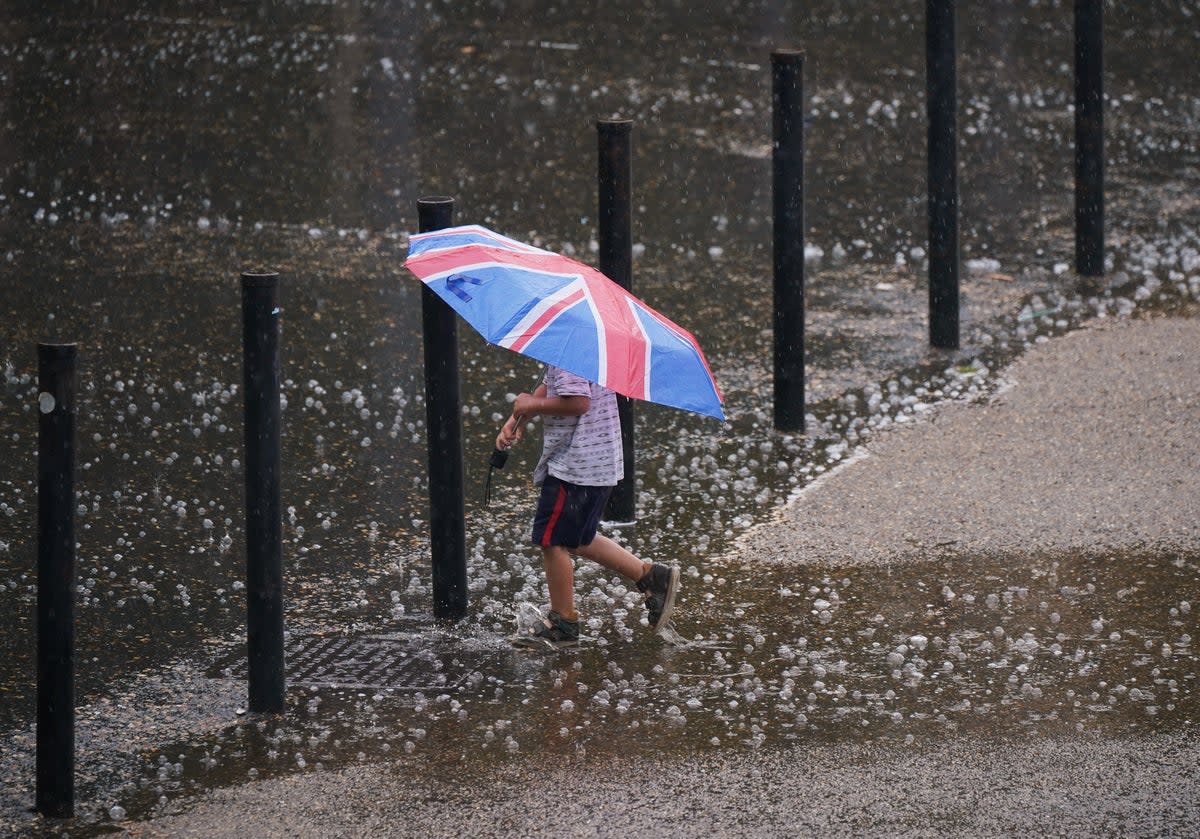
x=520 y=418
x=498 y=459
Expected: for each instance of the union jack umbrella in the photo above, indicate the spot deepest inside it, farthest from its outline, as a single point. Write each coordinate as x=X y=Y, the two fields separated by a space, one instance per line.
x=562 y=312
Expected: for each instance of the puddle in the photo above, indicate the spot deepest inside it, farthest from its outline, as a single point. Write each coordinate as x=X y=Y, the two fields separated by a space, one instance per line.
x=417 y=664
x=1048 y=645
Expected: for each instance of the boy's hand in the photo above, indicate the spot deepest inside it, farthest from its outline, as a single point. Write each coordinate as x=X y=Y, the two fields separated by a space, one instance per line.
x=526 y=404
x=511 y=433
x=523 y=406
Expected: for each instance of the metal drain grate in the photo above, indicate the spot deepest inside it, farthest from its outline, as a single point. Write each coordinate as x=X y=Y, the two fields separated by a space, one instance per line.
x=371 y=663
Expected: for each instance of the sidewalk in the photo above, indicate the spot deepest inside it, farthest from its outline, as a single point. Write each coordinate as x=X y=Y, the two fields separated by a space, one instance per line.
x=966 y=787
x=1093 y=447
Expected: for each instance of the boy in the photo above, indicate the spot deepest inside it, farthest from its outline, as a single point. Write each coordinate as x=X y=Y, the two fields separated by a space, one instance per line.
x=581 y=462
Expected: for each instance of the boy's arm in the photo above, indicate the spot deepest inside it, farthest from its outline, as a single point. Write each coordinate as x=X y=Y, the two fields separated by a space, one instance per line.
x=532 y=404
x=528 y=405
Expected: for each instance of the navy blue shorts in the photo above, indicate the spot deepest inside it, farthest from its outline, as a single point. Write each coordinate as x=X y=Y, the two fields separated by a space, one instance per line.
x=568 y=514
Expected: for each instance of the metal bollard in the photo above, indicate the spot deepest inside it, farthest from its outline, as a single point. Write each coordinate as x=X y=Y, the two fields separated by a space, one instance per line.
x=443 y=423
x=615 y=180
x=55 y=791
x=1089 y=137
x=941 y=103
x=264 y=560
x=787 y=170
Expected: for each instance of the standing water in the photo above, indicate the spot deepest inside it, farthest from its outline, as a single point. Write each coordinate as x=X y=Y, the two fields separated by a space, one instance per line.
x=150 y=156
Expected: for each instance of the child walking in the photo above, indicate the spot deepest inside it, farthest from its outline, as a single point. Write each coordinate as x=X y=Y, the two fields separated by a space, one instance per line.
x=581 y=462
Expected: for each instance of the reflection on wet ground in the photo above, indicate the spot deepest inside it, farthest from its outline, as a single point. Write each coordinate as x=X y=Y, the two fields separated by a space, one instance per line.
x=151 y=157
x=1004 y=646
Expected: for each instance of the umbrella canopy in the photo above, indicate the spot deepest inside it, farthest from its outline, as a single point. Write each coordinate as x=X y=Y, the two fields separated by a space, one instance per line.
x=564 y=313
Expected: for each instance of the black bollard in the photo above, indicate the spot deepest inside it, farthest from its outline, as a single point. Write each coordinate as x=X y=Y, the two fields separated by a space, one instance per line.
x=1089 y=137
x=941 y=103
x=264 y=560
x=787 y=179
x=616 y=262
x=443 y=422
x=55 y=793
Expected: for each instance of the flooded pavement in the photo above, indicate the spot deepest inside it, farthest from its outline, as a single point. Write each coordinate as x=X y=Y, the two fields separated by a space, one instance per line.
x=856 y=667
x=151 y=157
x=1024 y=650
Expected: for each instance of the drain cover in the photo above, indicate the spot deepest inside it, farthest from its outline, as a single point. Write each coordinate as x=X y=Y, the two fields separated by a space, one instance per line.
x=372 y=663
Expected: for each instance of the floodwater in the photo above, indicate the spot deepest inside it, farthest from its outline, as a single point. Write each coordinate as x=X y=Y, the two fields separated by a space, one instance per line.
x=150 y=156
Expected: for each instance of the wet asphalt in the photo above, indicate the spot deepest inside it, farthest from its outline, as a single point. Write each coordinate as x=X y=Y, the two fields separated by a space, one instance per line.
x=1090 y=446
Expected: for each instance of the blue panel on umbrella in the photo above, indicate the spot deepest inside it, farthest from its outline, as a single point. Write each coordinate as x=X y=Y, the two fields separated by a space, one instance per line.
x=495 y=299
x=684 y=385
x=570 y=342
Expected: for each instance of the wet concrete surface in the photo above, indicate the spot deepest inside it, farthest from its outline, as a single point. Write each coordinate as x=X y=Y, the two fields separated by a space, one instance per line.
x=985 y=693
x=1087 y=786
x=150 y=156
x=1070 y=463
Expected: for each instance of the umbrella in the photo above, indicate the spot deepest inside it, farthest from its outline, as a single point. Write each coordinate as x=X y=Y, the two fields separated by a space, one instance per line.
x=562 y=312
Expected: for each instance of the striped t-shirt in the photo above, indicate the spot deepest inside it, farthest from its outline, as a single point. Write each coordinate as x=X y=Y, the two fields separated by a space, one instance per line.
x=586 y=449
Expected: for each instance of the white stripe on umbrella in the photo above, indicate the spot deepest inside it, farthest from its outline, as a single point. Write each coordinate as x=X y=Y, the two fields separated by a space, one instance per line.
x=542 y=315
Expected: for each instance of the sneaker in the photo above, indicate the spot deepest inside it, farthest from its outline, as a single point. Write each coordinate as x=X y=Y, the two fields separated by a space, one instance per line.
x=555 y=633
x=659 y=585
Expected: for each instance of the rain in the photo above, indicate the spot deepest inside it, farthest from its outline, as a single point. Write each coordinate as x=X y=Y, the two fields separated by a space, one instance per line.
x=298 y=138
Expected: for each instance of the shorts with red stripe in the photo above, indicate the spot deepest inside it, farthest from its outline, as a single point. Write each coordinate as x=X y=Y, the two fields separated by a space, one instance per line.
x=568 y=514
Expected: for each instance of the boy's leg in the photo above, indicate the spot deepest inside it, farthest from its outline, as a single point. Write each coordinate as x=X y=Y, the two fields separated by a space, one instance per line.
x=659 y=583
x=561 y=627
x=612 y=556
x=560 y=579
